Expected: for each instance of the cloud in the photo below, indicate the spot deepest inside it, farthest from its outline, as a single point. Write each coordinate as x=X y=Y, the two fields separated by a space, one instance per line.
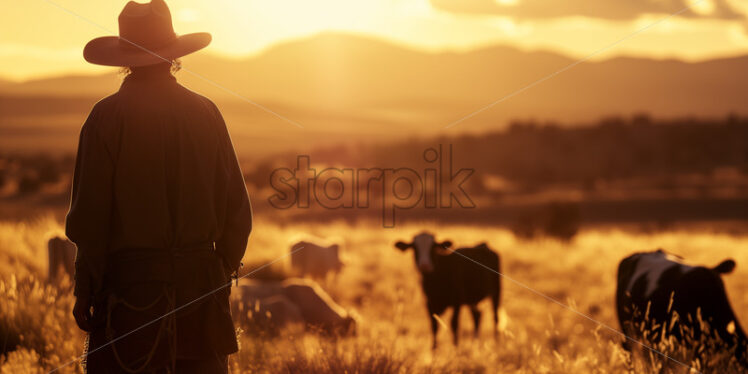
x=605 y=9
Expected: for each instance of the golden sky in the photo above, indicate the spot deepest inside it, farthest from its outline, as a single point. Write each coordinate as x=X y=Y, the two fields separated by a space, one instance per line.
x=46 y=37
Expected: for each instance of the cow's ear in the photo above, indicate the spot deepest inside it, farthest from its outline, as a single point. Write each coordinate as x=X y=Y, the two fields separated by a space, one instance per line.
x=403 y=246
x=447 y=244
x=726 y=266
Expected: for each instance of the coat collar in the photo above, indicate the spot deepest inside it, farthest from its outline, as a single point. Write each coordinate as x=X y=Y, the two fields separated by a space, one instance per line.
x=150 y=74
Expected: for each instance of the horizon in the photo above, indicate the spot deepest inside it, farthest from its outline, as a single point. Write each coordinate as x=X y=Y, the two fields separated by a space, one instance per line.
x=213 y=54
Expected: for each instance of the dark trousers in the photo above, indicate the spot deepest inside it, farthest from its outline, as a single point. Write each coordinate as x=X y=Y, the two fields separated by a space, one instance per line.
x=162 y=313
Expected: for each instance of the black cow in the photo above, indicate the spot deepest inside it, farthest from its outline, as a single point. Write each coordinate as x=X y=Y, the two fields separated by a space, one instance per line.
x=455 y=278
x=658 y=296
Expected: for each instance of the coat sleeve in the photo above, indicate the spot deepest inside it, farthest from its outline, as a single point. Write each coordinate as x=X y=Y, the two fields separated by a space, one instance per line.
x=89 y=219
x=238 y=212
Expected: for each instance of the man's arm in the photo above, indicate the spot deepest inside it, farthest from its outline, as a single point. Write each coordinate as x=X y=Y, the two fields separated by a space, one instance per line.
x=89 y=219
x=238 y=211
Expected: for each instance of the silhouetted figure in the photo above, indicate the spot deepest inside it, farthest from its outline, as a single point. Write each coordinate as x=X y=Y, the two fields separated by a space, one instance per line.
x=159 y=211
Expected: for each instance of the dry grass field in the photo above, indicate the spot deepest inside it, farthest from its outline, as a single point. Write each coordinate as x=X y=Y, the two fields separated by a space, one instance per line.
x=380 y=285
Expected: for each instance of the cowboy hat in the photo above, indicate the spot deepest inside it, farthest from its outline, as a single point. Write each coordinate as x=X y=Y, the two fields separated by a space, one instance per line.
x=146 y=37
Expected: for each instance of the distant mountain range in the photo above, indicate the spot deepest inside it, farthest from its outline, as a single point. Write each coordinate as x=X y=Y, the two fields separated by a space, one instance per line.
x=346 y=72
x=341 y=85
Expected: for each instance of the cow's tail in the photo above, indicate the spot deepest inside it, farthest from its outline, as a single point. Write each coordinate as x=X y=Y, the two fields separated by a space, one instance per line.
x=725 y=267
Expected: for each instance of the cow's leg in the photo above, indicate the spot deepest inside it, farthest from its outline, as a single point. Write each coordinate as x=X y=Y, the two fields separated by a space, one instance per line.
x=495 y=307
x=434 y=328
x=476 y=319
x=455 y=323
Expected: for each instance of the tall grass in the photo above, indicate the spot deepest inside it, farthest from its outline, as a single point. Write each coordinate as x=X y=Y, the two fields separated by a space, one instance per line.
x=381 y=286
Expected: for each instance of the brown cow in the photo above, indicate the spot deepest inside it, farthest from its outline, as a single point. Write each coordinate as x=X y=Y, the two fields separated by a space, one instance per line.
x=294 y=301
x=453 y=278
x=315 y=260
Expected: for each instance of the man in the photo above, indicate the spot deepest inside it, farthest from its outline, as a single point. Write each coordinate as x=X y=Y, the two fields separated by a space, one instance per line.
x=159 y=211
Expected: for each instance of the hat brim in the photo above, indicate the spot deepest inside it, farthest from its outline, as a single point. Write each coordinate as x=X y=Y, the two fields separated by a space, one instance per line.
x=109 y=51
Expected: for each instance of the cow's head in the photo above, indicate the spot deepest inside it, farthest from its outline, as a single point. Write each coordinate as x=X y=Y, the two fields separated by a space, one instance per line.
x=425 y=248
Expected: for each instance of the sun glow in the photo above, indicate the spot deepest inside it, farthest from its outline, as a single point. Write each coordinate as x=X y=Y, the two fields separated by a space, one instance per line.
x=705 y=7
x=243 y=28
x=282 y=19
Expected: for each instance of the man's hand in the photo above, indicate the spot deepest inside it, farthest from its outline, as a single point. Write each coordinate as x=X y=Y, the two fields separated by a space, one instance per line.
x=82 y=313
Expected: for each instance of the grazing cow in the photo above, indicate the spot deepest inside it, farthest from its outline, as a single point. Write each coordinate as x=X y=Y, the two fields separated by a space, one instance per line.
x=316 y=261
x=61 y=257
x=294 y=301
x=455 y=278
x=658 y=297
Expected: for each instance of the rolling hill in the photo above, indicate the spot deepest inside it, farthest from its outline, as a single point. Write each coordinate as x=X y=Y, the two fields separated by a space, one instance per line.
x=343 y=86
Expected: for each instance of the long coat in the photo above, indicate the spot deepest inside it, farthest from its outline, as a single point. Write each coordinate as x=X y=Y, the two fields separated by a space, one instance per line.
x=161 y=216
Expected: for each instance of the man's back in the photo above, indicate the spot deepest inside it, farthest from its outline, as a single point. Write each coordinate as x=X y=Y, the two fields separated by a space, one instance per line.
x=160 y=173
x=170 y=152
